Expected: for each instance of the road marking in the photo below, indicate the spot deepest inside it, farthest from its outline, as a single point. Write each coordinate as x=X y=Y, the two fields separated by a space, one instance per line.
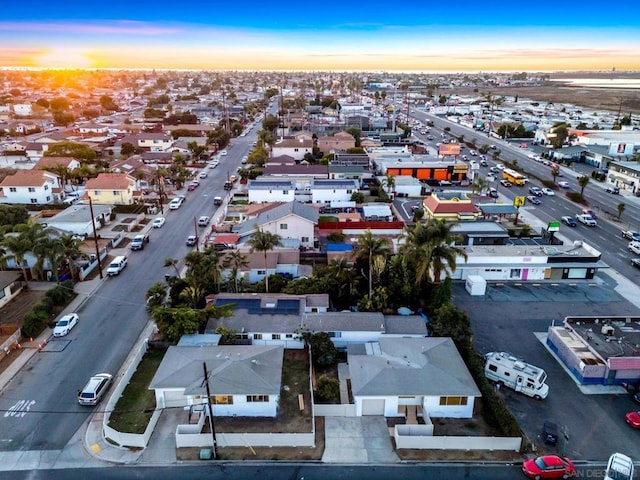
x=20 y=409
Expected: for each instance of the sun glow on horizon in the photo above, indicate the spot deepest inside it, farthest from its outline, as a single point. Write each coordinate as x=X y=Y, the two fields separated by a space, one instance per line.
x=63 y=58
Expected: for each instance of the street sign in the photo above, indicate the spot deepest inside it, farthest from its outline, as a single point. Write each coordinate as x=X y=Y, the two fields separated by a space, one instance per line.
x=553 y=227
x=518 y=201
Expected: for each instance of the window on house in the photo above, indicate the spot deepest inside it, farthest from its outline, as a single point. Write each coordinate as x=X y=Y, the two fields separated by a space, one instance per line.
x=31 y=189
x=285 y=192
x=96 y=193
x=34 y=200
x=335 y=334
x=114 y=192
x=453 y=400
x=13 y=189
x=48 y=198
x=223 y=400
x=242 y=336
x=257 y=398
x=289 y=335
x=275 y=336
x=257 y=336
x=262 y=272
x=349 y=191
x=305 y=239
x=46 y=187
x=283 y=226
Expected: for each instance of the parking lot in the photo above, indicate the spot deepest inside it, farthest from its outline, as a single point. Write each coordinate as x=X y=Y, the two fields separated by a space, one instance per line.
x=514 y=318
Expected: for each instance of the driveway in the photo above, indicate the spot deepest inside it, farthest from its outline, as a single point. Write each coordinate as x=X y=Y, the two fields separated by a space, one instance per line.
x=357 y=440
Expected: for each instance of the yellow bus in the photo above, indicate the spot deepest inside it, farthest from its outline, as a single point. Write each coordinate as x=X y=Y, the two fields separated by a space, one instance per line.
x=514 y=177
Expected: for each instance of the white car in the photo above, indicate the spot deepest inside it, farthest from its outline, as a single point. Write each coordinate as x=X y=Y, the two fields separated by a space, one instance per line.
x=223 y=152
x=500 y=166
x=175 y=203
x=634 y=247
x=563 y=184
x=203 y=174
x=65 y=324
x=548 y=192
x=158 y=222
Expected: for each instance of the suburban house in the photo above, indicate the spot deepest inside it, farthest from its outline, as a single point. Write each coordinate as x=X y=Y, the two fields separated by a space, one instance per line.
x=393 y=374
x=135 y=167
x=340 y=142
x=294 y=221
x=296 y=148
x=10 y=286
x=76 y=219
x=154 y=142
x=244 y=380
x=111 y=189
x=35 y=151
x=31 y=187
x=280 y=261
x=301 y=174
x=324 y=191
x=53 y=163
x=272 y=190
x=450 y=206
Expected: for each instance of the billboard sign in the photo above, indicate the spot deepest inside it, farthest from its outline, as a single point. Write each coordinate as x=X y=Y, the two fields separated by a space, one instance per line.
x=553 y=227
x=621 y=148
x=449 y=149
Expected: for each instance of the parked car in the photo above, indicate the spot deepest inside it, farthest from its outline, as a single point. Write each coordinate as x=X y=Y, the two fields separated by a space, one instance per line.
x=65 y=325
x=217 y=201
x=591 y=213
x=631 y=235
x=494 y=169
x=500 y=166
x=533 y=199
x=493 y=193
x=535 y=191
x=563 y=184
x=635 y=262
x=158 y=222
x=139 y=241
x=570 y=221
x=203 y=221
x=191 y=240
x=95 y=389
x=223 y=152
x=633 y=389
x=549 y=466
x=619 y=467
x=633 y=419
x=175 y=203
x=548 y=192
x=484 y=163
x=505 y=183
x=550 y=433
x=203 y=174
x=612 y=190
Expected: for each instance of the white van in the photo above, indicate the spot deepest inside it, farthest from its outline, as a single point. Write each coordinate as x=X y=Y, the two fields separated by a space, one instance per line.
x=619 y=467
x=117 y=265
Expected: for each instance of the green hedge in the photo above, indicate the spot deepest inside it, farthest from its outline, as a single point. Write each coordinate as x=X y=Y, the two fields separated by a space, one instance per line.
x=43 y=313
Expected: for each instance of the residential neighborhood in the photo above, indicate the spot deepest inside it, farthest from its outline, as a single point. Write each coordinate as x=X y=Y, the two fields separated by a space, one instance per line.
x=301 y=253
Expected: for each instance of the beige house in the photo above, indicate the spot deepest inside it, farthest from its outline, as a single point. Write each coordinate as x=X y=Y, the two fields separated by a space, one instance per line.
x=112 y=189
x=340 y=142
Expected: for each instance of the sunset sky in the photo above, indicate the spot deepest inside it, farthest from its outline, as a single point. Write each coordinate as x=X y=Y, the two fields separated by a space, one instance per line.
x=438 y=36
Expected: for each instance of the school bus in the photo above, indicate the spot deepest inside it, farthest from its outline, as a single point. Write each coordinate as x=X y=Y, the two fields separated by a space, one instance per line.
x=514 y=177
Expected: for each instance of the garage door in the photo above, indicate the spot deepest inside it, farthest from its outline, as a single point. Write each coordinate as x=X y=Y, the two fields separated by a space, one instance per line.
x=174 y=398
x=373 y=407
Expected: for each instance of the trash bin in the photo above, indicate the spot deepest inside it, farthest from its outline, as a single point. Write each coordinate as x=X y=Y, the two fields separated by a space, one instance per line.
x=205 y=454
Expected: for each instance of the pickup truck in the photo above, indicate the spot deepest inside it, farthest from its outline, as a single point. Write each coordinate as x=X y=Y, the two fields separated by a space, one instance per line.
x=587 y=220
x=139 y=241
x=634 y=247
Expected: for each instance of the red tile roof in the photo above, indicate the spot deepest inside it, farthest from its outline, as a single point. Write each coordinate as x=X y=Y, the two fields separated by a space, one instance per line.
x=109 y=181
x=27 y=178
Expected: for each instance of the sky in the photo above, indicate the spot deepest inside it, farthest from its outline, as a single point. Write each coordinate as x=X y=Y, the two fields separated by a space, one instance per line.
x=429 y=36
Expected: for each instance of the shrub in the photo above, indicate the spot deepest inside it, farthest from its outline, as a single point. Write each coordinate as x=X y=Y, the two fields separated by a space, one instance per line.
x=327 y=388
x=576 y=197
x=34 y=322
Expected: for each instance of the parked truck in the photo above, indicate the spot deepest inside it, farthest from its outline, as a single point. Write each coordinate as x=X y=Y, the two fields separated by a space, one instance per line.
x=513 y=372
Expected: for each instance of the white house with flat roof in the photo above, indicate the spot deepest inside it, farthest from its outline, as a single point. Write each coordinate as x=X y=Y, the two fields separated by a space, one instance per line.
x=325 y=191
x=273 y=190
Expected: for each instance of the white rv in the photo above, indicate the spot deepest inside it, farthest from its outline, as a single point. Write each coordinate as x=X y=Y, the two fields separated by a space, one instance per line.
x=505 y=369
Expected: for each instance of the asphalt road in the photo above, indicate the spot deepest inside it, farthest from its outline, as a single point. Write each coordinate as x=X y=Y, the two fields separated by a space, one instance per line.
x=39 y=408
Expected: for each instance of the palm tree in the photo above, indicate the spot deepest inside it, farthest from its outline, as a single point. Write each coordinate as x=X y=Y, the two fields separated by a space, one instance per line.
x=71 y=250
x=47 y=248
x=237 y=261
x=17 y=249
x=370 y=247
x=554 y=173
x=389 y=181
x=428 y=248
x=583 y=181
x=172 y=262
x=621 y=208
x=262 y=241
x=479 y=184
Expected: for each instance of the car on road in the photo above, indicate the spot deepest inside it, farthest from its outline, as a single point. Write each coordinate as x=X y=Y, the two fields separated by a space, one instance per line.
x=139 y=241
x=95 y=389
x=548 y=192
x=533 y=199
x=550 y=433
x=591 y=213
x=484 y=163
x=549 y=466
x=203 y=221
x=494 y=170
x=631 y=235
x=612 y=190
x=65 y=325
x=158 y=222
x=203 y=174
x=634 y=247
x=563 y=184
x=633 y=419
x=505 y=183
x=175 y=203
x=493 y=193
x=587 y=220
x=193 y=185
x=635 y=262
x=537 y=191
x=217 y=201
x=500 y=166
x=214 y=163
x=223 y=152
x=570 y=221
x=490 y=177
x=191 y=240
x=619 y=467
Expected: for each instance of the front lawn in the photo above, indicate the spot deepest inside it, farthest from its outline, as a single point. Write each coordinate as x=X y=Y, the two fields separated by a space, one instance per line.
x=133 y=411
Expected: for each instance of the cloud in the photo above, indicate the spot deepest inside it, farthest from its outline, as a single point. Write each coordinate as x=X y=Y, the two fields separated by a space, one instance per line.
x=127 y=27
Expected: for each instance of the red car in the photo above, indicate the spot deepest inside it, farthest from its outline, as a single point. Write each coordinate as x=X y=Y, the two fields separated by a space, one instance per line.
x=633 y=419
x=550 y=466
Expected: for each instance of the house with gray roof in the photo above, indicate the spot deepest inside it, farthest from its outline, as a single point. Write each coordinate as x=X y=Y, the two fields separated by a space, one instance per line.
x=325 y=191
x=293 y=221
x=271 y=190
x=394 y=374
x=244 y=380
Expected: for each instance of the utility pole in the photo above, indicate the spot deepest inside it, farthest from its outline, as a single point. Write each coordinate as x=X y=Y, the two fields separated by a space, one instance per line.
x=211 y=424
x=195 y=230
x=95 y=237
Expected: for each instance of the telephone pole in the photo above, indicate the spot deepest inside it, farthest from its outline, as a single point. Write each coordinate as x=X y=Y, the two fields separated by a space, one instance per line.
x=95 y=237
x=211 y=424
